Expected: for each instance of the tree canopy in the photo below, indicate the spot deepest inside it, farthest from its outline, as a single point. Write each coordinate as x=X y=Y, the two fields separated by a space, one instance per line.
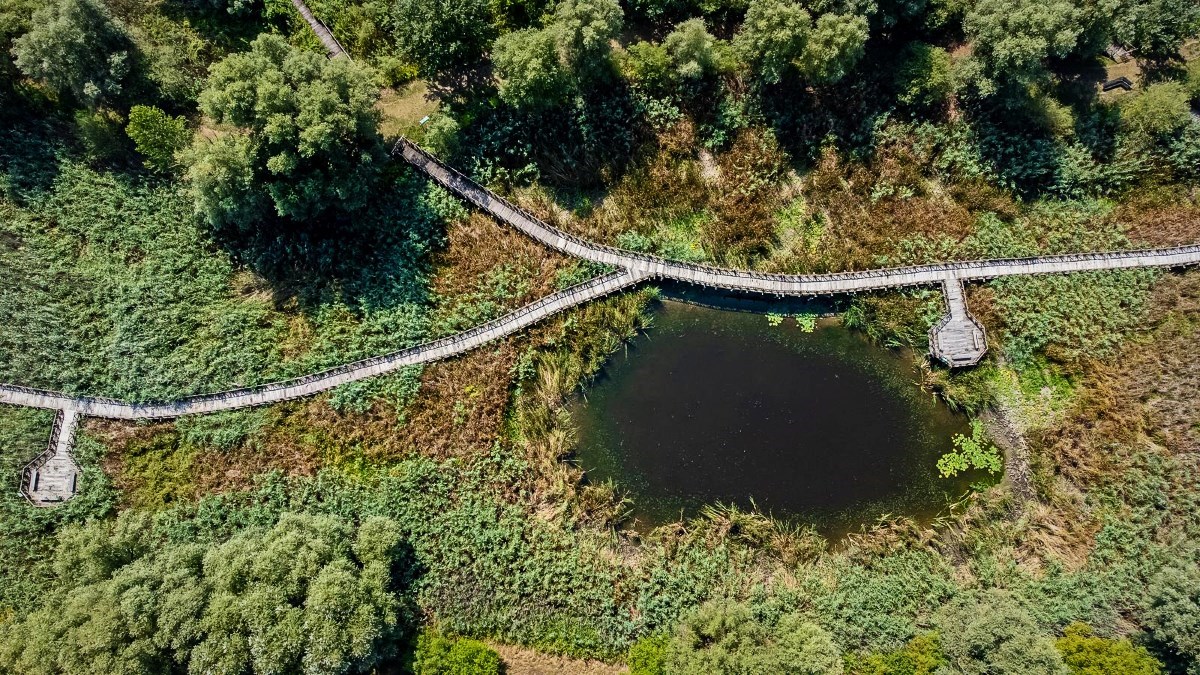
x=1173 y=609
x=692 y=49
x=440 y=36
x=310 y=594
x=724 y=638
x=780 y=35
x=990 y=633
x=1015 y=38
x=77 y=49
x=297 y=137
x=1156 y=29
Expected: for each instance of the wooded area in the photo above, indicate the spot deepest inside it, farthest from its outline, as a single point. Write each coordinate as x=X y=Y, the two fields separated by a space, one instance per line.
x=194 y=198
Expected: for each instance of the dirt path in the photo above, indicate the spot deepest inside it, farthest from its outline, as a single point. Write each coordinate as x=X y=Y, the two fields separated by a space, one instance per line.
x=1000 y=424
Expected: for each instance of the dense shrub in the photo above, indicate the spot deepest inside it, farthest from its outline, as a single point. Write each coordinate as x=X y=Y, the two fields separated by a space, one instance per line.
x=1086 y=654
x=990 y=633
x=1172 y=610
x=157 y=135
x=301 y=141
x=309 y=593
x=921 y=656
x=440 y=655
x=723 y=638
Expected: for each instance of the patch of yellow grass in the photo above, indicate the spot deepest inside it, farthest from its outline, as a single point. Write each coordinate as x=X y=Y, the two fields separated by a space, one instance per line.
x=404 y=108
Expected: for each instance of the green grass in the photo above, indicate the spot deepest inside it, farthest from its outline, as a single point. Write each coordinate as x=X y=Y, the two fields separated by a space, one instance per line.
x=115 y=289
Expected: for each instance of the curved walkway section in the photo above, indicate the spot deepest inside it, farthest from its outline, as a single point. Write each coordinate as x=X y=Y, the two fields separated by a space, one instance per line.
x=324 y=381
x=53 y=476
x=780 y=284
x=958 y=339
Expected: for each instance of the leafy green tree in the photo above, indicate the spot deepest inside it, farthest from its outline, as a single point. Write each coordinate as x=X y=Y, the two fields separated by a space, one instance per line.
x=582 y=30
x=442 y=36
x=835 y=44
x=530 y=72
x=1086 y=654
x=1014 y=38
x=309 y=594
x=924 y=79
x=1159 y=110
x=1156 y=29
x=440 y=655
x=692 y=49
x=723 y=638
x=14 y=22
x=77 y=49
x=990 y=633
x=298 y=137
x=774 y=34
x=157 y=135
x=779 y=35
x=648 y=67
x=1172 y=611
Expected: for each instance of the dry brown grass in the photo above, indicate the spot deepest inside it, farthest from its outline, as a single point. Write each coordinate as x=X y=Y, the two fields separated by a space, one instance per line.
x=869 y=210
x=522 y=661
x=1142 y=402
x=402 y=109
x=1162 y=220
x=666 y=186
x=747 y=196
x=478 y=246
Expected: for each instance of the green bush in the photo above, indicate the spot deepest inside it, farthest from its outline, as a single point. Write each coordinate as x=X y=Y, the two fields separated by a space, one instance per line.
x=310 y=593
x=648 y=656
x=723 y=638
x=921 y=656
x=924 y=79
x=440 y=655
x=991 y=633
x=156 y=135
x=1086 y=654
x=1172 y=609
x=1159 y=110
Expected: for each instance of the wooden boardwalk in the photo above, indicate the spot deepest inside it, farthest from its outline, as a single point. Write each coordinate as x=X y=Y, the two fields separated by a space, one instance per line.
x=53 y=477
x=322 y=31
x=957 y=339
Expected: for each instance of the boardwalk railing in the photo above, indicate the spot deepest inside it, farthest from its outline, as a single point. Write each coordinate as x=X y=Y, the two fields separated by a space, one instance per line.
x=334 y=377
x=632 y=268
x=28 y=473
x=780 y=284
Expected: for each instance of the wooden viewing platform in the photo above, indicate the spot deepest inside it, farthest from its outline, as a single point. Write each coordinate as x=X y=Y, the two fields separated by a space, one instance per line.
x=53 y=477
x=957 y=339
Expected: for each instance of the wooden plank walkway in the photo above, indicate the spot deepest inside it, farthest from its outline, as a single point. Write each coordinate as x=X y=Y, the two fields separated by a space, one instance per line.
x=322 y=32
x=957 y=339
x=53 y=477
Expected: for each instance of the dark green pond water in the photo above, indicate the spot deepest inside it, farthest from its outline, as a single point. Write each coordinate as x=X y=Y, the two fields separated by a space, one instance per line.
x=720 y=406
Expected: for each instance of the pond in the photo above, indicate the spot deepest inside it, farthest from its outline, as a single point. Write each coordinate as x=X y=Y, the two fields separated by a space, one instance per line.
x=816 y=426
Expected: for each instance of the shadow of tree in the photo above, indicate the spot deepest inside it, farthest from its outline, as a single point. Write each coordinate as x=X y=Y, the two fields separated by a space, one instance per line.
x=374 y=258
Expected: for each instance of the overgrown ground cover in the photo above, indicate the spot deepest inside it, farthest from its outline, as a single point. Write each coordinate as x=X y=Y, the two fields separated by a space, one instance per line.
x=212 y=239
